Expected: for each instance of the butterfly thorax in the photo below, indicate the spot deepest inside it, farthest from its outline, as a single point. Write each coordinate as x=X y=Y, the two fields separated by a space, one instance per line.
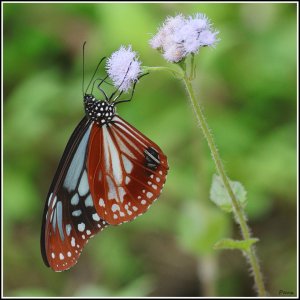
x=101 y=112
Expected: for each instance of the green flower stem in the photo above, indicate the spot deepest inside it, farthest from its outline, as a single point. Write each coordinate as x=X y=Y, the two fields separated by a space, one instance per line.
x=178 y=73
x=238 y=211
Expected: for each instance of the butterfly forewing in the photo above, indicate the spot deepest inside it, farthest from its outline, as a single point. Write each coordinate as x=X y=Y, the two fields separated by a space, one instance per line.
x=126 y=171
x=70 y=218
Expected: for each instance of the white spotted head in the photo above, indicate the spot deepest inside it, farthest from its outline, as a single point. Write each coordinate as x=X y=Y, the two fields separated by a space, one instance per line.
x=101 y=112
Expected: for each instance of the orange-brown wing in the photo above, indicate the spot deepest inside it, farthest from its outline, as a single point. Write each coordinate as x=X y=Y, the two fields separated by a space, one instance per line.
x=126 y=171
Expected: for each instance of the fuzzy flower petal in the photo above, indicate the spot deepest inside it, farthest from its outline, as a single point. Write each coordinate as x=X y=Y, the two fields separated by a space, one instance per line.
x=123 y=67
x=174 y=53
x=199 y=22
x=180 y=36
x=208 y=38
x=163 y=38
x=173 y=24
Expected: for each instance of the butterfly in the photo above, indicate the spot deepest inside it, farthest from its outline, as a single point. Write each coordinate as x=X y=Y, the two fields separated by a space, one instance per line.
x=109 y=174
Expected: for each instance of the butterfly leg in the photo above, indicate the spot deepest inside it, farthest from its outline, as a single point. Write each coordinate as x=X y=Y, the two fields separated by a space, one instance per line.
x=99 y=86
x=132 y=93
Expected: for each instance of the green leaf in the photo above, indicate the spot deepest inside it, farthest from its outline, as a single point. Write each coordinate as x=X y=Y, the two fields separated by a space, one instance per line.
x=235 y=244
x=219 y=195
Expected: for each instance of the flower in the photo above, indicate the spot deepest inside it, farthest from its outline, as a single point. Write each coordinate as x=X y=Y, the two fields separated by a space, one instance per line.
x=123 y=68
x=164 y=35
x=180 y=36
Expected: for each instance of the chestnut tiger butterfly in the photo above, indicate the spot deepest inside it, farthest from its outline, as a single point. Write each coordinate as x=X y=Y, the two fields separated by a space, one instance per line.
x=109 y=174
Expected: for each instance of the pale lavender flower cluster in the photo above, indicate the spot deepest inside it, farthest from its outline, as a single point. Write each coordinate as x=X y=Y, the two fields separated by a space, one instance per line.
x=180 y=36
x=123 y=68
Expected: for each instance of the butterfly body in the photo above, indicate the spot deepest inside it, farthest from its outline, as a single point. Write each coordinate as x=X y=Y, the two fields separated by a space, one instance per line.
x=109 y=174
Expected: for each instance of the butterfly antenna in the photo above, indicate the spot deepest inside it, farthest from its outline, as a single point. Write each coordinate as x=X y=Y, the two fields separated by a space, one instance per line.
x=95 y=73
x=83 y=46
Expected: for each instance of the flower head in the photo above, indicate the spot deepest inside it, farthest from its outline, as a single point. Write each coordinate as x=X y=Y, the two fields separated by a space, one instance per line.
x=123 y=67
x=180 y=36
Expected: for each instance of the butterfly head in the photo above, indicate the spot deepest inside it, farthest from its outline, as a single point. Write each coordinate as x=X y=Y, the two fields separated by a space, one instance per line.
x=101 y=112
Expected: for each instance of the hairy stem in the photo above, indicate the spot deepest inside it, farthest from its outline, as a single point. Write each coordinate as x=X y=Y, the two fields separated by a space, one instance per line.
x=237 y=209
x=178 y=73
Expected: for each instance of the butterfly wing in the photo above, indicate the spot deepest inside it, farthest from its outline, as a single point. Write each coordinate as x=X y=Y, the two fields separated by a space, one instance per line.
x=126 y=171
x=70 y=218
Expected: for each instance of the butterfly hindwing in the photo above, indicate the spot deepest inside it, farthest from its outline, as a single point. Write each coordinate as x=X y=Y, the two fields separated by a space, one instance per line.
x=127 y=171
x=70 y=218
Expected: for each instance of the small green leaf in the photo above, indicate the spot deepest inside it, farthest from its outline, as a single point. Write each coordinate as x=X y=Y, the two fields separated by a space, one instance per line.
x=219 y=195
x=234 y=244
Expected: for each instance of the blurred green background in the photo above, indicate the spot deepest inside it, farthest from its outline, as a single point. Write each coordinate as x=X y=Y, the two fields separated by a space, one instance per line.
x=247 y=87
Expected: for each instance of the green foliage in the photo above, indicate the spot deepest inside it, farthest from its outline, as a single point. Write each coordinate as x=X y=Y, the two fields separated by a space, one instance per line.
x=247 y=86
x=200 y=227
x=219 y=195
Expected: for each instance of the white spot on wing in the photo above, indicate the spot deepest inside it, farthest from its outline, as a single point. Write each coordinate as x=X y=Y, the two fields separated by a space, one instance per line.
x=101 y=202
x=112 y=157
x=53 y=214
x=127 y=164
x=81 y=227
x=112 y=193
x=75 y=199
x=68 y=229
x=149 y=195
x=89 y=201
x=115 y=207
x=96 y=217
x=76 y=166
x=76 y=213
x=59 y=220
x=122 y=193
x=61 y=256
x=84 y=185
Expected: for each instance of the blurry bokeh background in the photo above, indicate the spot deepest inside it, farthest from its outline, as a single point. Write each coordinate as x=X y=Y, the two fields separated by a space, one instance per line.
x=247 y=87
